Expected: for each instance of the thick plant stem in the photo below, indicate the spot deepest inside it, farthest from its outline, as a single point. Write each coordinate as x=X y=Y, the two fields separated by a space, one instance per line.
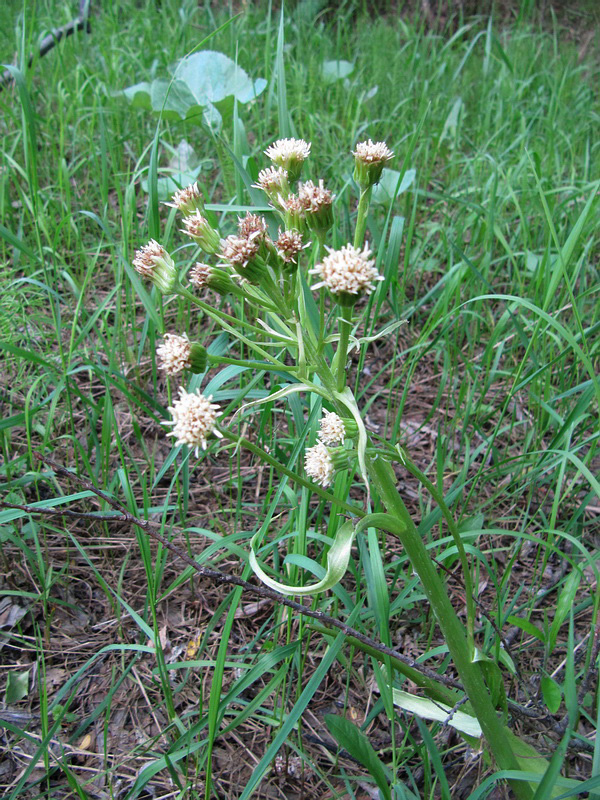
x=342 y=352
x=361 y=217
x=451 y=627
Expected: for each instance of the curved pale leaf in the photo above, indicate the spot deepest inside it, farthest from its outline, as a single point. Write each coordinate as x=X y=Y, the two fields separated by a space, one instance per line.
x=430 y=709
x=337 y=564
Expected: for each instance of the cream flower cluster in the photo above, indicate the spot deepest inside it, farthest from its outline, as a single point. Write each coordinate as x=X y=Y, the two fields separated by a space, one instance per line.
x=319 y=464
x=332 y=430
x=146 y=258
x=194 y=419
x=370 y=152
x=174 y=353
x=285 y=150
x=347 y=271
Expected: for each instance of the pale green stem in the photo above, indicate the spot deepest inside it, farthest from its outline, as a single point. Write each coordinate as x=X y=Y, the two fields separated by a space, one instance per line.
x=469 y=672
x=239 y=362
x=361 y=217
x=341 y=355
x=462 y=554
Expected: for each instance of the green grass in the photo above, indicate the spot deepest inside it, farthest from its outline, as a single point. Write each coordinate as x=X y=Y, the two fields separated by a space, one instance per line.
x=491 y=387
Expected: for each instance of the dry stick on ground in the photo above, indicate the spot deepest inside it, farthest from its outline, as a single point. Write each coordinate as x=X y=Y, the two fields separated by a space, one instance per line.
x=53 y=38
x=217 y=575
x=123 y=515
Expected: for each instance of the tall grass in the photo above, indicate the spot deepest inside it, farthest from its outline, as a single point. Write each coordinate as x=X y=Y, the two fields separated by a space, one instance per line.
x=491 y=257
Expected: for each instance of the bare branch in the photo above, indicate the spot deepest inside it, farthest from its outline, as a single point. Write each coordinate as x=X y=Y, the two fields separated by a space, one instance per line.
x=53 y=38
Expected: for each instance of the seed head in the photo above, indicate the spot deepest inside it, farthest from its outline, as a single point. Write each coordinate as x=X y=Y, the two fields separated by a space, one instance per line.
x=319 y=465
x=369 y=160
x=332 y=430
x=252 y=226
x=188 y=200
x=239 y=250
x=153 y=262
x=194 y=419
x=347 y=273
x=289 y=154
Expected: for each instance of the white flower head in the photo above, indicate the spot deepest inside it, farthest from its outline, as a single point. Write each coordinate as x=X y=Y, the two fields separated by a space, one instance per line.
x=313 y=197
x=319 y=465
x=194 y=419
x=347 y=272
x=201 y=231
x=371 y=152
x=289 y=154
x=332 y=430
x=252 y=226
x=369 y=160
x=174 y=353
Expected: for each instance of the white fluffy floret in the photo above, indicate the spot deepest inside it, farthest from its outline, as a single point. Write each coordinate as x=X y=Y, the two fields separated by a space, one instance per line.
x=372 y=152
x=347 y=271
x=319 y=465
x=174 y=353
x=332 y=430
x=194 y=419
x=283 y=151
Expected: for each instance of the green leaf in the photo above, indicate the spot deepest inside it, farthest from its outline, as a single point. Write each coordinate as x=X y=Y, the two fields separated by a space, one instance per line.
x=439 y=712
x=552 y=694
x=527 y=626
x=564 y=605
x=211 y=76
x=337 y=564
x=332 y=71
x=17 y=686
x=356 y=743
x=390 y=185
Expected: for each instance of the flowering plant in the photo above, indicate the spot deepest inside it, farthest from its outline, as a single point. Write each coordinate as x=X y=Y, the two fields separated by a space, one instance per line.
x=309 y=299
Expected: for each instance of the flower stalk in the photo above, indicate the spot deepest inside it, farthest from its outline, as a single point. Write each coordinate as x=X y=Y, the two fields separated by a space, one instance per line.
x=469 y=672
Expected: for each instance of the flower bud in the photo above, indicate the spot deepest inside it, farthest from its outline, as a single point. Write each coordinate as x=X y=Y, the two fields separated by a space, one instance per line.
x=293 y=212
x=153 y=262
x=199 y=229
x=188 y=200
x=369 y=160
x=317 y=202
x=204 y=276
x=274 y=182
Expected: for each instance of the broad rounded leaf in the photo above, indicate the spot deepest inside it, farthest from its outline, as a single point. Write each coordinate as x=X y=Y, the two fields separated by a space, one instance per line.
x=211 y=76
x=385 y=191
x=332 y=71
